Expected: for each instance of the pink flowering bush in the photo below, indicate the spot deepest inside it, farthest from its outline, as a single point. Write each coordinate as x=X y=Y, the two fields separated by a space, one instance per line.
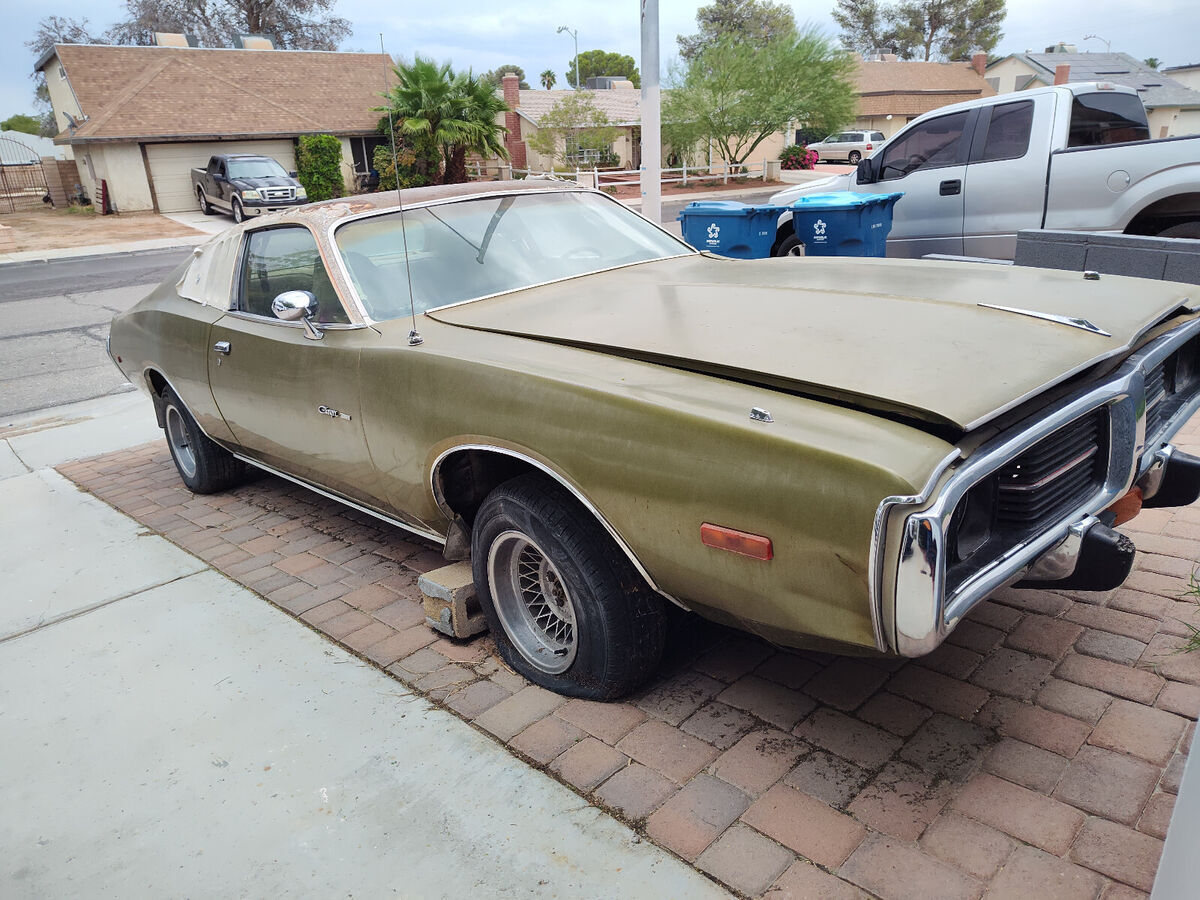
x=797 y=156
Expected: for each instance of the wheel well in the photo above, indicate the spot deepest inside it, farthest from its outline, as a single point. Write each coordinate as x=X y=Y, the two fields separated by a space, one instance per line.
x=783 y=232
x=1164 y=213
x=158 y=385
x=464 y=478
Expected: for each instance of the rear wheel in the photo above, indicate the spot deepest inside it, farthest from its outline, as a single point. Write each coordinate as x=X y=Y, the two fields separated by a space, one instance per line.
x=855 y=156
x=566 y=608
x=1184 y=230
x=204 y=467
x=790 y=246
x=205 y=206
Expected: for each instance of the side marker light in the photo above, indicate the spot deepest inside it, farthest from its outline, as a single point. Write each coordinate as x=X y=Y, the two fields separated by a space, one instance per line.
x=741 y=542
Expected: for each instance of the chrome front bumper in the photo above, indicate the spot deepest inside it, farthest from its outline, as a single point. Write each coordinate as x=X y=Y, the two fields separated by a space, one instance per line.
x=924 y=611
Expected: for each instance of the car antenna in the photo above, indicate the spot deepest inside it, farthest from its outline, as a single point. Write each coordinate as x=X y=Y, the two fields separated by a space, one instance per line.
x=414 y=336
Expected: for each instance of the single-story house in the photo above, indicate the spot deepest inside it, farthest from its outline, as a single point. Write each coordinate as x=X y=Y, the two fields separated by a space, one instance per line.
x=1172 y=107
x=891 y=92
x=622 y=105
x=141 y=118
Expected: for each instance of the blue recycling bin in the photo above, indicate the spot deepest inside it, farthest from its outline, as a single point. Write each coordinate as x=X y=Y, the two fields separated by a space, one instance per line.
x=843 y=223
x=730 y=228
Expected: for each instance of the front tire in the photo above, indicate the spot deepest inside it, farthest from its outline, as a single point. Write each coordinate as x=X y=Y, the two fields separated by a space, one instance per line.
x=203 y=466
x=566 y=608
x=239 y=214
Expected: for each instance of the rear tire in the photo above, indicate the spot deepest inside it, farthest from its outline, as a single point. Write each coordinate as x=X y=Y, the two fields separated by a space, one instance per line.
x=1183 y=230
x=854 y=157
x=566 y=608
x=790 y=246
x=203 y=466
x=205 y=206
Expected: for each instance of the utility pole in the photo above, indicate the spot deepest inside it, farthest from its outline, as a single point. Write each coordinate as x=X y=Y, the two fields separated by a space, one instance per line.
x=651 y=169
x=574 y=34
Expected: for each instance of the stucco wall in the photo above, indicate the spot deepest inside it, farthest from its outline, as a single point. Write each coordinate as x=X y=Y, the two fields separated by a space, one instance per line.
x=122 y=167
x=1006 y=74
x=1171 y=121
x=888 y=126
x=62 y=100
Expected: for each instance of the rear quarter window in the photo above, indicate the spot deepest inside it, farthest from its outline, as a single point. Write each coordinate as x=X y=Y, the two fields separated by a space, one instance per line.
x=1107 y=118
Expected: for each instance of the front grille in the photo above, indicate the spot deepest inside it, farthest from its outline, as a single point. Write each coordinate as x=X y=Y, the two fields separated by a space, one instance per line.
x=1156 y=393
x=276 y=194
x=1055 y=475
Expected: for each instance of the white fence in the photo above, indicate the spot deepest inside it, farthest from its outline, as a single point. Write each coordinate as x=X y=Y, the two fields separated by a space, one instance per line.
x=765 y=170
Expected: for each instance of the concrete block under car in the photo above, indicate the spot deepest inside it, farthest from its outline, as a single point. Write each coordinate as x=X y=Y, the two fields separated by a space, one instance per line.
x=450 y=603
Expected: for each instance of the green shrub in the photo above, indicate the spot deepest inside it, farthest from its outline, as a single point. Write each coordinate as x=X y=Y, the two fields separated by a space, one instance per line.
x=319 y=166
x=413 y=169
x=797 y=156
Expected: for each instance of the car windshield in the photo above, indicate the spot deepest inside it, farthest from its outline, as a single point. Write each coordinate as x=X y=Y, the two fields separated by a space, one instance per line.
x=489 y=245
x=255 y=168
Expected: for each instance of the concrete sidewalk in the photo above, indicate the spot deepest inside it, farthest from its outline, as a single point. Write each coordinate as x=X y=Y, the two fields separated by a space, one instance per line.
x=168 y=732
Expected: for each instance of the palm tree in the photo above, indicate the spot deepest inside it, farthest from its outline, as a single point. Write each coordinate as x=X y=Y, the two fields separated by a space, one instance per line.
x=455 y=112
x=548 y=78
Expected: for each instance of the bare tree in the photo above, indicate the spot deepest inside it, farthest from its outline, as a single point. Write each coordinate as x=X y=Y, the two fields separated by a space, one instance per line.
x=294 y=24
x=59 y=30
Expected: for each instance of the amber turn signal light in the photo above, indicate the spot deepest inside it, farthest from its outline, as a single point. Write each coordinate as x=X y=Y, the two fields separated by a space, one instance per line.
x=741 y=542
x=1127 y=507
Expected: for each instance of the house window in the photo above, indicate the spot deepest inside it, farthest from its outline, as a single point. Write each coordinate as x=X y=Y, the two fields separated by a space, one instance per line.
x=62 y=73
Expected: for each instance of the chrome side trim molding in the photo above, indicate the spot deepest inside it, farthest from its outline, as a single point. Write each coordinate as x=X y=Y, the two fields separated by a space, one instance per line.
x=435 y=488
x=1072 y=321
x=332 y=495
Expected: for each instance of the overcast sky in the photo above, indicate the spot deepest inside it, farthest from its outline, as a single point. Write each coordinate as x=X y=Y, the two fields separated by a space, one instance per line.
x=473 y=33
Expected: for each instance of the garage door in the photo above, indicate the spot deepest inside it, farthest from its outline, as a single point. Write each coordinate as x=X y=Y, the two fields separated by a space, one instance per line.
x=171 y=166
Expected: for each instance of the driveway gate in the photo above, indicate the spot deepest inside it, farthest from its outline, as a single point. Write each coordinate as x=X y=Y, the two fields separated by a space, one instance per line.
x=22 y=180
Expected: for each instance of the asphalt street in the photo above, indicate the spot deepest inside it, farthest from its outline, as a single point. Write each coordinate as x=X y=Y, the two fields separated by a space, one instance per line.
x=54 y=323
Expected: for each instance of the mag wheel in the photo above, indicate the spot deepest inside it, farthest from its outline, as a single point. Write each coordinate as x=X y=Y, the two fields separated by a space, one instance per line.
x=566 y=607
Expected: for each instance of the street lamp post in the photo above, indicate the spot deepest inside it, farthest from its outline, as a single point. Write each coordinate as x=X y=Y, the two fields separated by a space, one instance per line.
x=574 y=34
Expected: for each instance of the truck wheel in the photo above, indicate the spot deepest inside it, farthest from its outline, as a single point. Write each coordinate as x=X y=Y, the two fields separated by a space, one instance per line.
x=790 y=246
x=205 y=206
x=204 y=467
x=1184 y=230
x=565 y=607
x=855 y=156
x=239 y=215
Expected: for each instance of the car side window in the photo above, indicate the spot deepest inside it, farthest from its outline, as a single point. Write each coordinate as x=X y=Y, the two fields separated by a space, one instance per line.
x=286 y=259
x=929 y=145
x=877 y=135
x=1008 y=131
x=1098 y=119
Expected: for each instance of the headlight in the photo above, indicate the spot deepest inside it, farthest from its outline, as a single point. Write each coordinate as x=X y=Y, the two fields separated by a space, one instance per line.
x=250 y=195
x=971 y=524
x=301 y=194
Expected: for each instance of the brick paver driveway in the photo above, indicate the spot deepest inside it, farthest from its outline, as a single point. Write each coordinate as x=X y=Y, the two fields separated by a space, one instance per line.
x=1036 y=754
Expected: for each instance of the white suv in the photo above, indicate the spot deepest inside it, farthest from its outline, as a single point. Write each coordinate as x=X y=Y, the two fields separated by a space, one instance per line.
x=848 y=145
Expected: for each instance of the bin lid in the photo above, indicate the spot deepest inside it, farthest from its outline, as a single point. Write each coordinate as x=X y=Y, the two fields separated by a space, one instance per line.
x=843 y=200
x=725 y=208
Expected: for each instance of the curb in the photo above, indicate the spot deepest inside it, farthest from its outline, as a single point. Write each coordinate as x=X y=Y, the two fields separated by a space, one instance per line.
x=100 y=251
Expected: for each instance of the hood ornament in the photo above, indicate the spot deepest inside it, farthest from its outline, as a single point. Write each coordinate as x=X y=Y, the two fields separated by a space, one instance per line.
x=1072 y=321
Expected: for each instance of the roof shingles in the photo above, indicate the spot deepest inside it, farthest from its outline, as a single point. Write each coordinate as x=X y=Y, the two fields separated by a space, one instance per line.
x=174 y=93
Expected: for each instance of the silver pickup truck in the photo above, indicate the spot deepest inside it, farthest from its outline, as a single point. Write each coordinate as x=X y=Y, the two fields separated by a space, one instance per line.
x=1070 y=157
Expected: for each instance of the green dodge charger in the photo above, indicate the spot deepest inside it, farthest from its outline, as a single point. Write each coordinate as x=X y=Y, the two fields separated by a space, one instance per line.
x=841 y=454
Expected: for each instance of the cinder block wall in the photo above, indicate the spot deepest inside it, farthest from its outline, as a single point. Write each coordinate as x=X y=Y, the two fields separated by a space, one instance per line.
x=1166 y=259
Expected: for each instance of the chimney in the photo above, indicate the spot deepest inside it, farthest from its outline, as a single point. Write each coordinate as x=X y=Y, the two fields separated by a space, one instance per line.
x=512 y=99
x=1062 y=73
x=979 y=62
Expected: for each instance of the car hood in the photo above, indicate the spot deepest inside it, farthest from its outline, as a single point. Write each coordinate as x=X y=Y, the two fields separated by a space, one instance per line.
x=266 y=181
x=907 y=337
x=788 y=196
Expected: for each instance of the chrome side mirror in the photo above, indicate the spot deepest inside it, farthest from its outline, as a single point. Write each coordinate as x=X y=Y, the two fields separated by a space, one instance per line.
x=298 y=306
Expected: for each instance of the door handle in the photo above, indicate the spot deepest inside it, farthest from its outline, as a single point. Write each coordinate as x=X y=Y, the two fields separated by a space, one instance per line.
x=222 y=347
x=950 y=188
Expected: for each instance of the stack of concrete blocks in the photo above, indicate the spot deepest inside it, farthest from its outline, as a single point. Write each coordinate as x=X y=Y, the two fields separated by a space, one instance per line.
x=450 y=603
x=1163 y=259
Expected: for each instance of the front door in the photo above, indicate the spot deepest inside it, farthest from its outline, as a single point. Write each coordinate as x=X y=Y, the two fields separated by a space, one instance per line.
x=928 y=163
x=291 y=401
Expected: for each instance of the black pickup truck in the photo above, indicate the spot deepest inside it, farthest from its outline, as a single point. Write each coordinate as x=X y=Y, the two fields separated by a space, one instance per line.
x=245 y=185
